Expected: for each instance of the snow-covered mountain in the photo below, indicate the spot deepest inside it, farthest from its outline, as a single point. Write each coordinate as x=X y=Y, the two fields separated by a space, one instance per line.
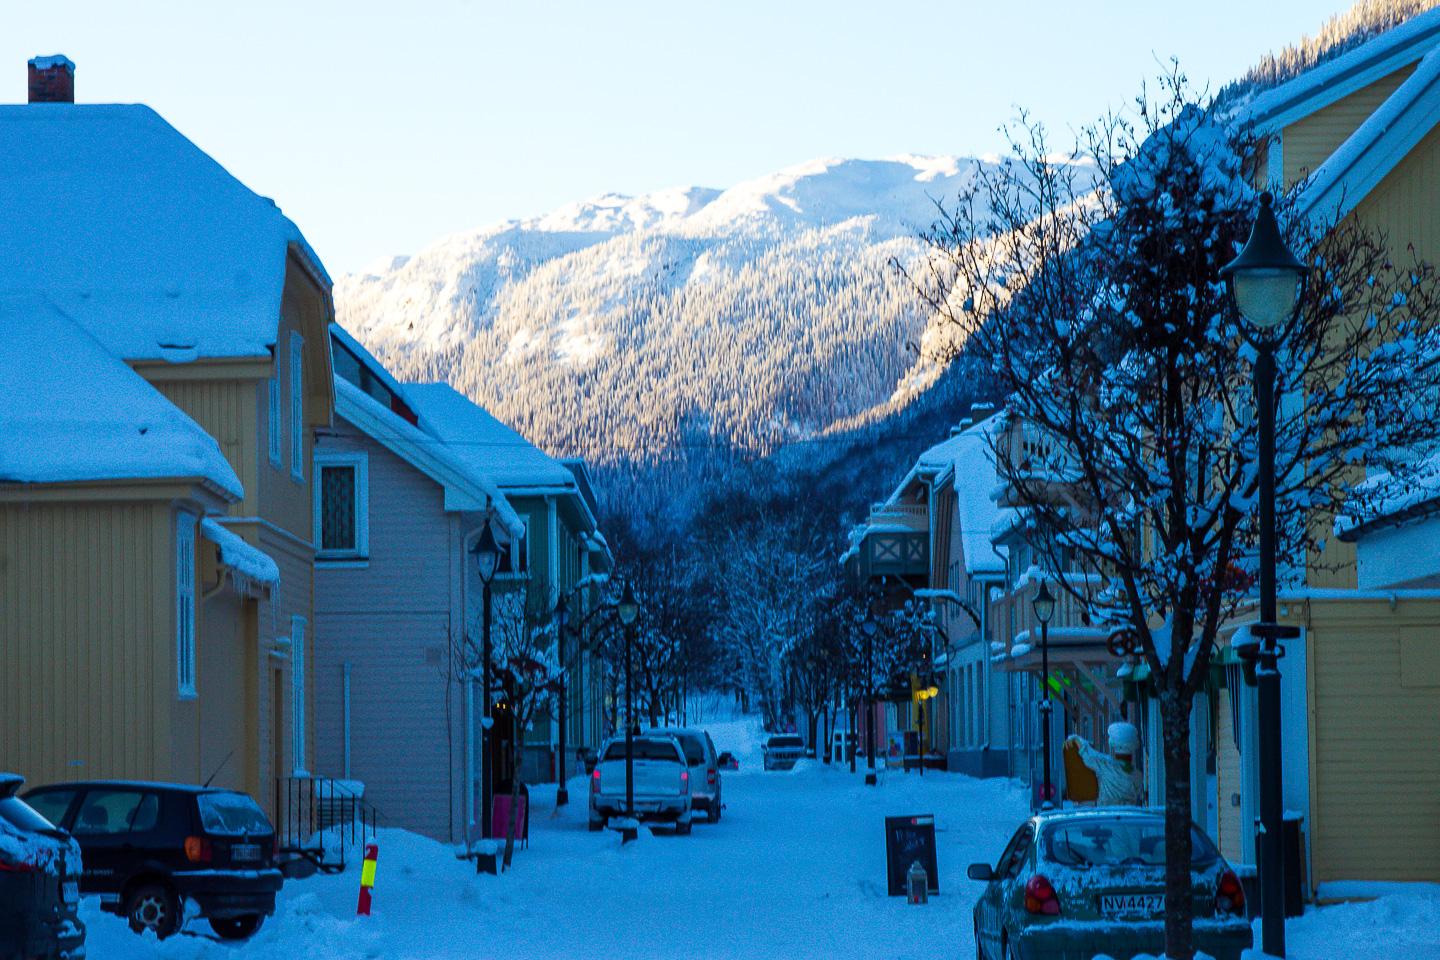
x=639 y=328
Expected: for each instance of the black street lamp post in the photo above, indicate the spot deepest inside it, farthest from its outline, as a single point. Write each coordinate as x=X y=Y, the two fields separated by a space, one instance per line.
x=487 y=561
x=1044 y=606
x=562 y=793
x=1267 y=283
x=869 y=628
x=628 y=610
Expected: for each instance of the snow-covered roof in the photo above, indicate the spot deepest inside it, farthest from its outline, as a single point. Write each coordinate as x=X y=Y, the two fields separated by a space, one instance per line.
x=244 y=560
x=495 y=450
x=376 y=368
x=75 y=412
x=141 y=237
x=1359 y=164
x=466 y=486
x=1336 y=79
x=967 y=456
x=1382 y=501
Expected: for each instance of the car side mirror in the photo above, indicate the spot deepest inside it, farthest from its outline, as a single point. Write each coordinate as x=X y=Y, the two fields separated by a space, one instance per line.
x=980 y=871
x=724 y=760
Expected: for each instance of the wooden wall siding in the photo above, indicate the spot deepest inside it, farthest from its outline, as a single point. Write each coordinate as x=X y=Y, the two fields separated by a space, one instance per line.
x=1377 y=812
x=1308 y=141
x=226 y=409
x=86 y=640
x=1406 y=204
x=219 y=726
x=391 y=620
x=285 y=501
x=401 y=740
x=294 y=597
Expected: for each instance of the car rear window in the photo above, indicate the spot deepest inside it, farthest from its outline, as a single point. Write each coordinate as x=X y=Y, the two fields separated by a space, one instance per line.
x=644 y=750
x=1118 y=841
x=693 y=746
x=231 y=814
x=788 y=741
x=51 y=804
x=19 y=814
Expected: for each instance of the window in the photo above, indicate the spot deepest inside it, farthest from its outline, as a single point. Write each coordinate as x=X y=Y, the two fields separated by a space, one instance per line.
x=185 y=604
x=516 y=561
x=297 y=693
x=52 y=804
x=342 y=506
x=111 y=812
x=274 y=420
x=297 y=406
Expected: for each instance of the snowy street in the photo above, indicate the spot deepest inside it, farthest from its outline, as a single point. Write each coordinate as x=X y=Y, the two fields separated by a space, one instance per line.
x=794 y=869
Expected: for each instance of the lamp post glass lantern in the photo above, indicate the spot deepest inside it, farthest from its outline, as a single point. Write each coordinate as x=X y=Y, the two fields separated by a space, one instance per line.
x=487 y=560
x=1267 y=283
x=1044 y=607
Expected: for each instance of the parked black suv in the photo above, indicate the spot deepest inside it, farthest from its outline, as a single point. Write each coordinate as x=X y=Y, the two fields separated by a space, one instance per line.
x=149 y=847
x=39 y=877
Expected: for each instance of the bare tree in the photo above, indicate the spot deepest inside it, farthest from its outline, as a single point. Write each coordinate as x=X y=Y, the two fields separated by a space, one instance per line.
x=527 y=668
x=1091 y=286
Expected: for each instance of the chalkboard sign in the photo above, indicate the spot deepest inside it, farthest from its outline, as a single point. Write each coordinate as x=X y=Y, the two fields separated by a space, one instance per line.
x=908 y=839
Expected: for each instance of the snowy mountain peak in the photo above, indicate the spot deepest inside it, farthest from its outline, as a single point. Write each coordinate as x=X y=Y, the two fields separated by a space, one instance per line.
x=759 y=313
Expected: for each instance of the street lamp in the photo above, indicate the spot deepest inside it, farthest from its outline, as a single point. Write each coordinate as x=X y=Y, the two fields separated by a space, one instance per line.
x=1267 y=282
x=562 y=792
x=487 y=560
x=868 y=628
x=628 y=610
x=929 y=693
x=1044 y=607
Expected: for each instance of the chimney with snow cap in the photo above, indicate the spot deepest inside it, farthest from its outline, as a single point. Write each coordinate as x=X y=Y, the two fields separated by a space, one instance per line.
x=52 y=79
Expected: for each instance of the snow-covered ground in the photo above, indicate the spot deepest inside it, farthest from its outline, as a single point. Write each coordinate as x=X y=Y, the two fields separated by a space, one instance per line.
x=795 y=869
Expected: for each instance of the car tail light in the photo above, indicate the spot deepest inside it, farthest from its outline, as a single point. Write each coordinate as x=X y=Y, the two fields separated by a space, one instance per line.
x=685 y=780
x=595 y=781
x=1229 y=894
x=1040 y=896
x=710 y=777
x=19 y=866
x=197 y=850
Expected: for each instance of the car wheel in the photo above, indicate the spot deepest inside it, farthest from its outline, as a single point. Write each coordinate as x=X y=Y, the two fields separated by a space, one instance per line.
x=682 y=829
x=153 y=907
x=236 y=928
x=713 y=814
x=596 y=826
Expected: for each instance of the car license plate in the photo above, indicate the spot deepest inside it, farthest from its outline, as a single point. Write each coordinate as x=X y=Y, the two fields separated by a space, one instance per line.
x=1132 y=904
x=70 y=890
x=245 y=851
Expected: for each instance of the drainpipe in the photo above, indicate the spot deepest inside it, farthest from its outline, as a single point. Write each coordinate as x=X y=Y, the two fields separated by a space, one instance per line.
x=346 y=701
x=469 y=708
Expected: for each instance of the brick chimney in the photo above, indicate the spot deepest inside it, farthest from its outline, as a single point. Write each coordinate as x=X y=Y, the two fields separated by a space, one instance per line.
x=52 y=80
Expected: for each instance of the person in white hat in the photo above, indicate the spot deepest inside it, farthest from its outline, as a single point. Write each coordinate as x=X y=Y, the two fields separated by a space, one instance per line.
x=1118 y=778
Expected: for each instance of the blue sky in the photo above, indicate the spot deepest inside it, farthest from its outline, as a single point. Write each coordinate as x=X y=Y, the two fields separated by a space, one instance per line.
x=381 y=126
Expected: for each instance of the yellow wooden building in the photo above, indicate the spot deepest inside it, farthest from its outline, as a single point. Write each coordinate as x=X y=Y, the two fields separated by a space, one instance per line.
x=1358 y=137
x=157 y=626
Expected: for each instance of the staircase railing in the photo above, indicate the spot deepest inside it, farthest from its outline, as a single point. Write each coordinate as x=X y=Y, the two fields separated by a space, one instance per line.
x=324 y=820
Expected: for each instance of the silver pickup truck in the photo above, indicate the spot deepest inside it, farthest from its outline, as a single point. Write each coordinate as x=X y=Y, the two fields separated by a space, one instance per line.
x=662 y=782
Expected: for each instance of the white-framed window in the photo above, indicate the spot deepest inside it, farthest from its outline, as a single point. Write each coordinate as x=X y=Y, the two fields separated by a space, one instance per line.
x=342 y=506
x=297 y=406
x=185 y=605
x=297 y=693
x=273 y=408
x=515 y=562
